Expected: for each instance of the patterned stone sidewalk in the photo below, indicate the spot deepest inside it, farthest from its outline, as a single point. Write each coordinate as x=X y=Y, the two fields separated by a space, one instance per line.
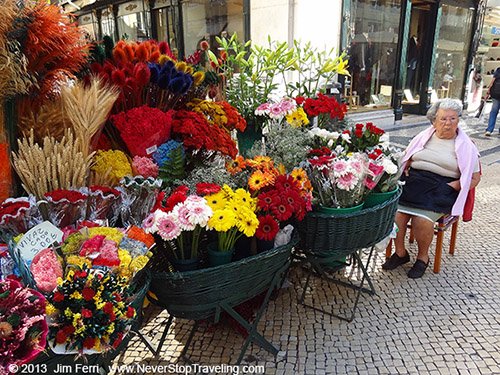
x=446 y=323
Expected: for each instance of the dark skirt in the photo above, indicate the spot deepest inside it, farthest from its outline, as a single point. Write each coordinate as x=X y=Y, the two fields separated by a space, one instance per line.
x=428 y=191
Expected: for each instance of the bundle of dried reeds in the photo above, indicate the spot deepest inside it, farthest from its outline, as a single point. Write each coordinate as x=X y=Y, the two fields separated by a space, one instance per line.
x=87 y=107
x=55 y=165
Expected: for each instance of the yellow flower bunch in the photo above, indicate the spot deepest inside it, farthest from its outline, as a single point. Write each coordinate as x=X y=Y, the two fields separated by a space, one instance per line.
x=297 y=118
x=234 y=215
x=112 y=166
x=78 y=261
x=212 y=111
x=113 y=234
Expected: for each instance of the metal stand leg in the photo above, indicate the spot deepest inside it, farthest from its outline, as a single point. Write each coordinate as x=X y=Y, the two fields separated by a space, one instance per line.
x=188 y=342
x=358 y=288
x=148 y=343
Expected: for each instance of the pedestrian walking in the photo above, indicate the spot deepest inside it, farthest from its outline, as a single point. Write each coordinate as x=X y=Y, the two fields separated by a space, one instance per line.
x=494 y=93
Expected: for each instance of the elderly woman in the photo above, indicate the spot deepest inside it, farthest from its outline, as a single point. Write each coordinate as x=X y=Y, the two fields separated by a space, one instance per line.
x=441 y=165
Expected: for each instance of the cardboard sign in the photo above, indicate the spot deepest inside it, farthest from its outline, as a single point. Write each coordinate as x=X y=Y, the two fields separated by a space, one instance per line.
x=38 y=238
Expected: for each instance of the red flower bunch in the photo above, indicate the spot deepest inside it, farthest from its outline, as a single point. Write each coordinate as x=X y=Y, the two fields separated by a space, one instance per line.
x=287 y=197
x=197 y=133
x=105 y=190
x=323 y=105
x=10 y=208
x=88 y=302
x=72 y=196
x=362 y=137
x=179 y=195
x=234 y=119
x=142 y=128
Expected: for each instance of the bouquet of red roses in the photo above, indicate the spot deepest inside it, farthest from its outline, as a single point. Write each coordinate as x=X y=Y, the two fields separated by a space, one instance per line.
x=18 y=215
x=65 y=207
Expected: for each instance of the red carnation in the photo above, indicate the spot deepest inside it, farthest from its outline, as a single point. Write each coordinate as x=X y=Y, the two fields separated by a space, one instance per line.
x=69 y=330
x=61 y=337
x=108 y=308
x=130 y=312
x=89 y=342
x=58 y=297
x=118 y=340
x=86 y=313
x=268 y=228
x=88 y=294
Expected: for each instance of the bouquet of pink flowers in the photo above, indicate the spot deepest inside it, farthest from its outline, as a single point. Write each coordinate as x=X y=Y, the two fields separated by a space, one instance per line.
x=342 y=180
x=180 y=224
x=23 y=329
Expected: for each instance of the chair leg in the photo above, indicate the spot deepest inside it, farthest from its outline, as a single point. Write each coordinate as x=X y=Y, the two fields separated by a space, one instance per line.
x=453 y=238
x=388 y=249
x=412 y=236
x=439 y=250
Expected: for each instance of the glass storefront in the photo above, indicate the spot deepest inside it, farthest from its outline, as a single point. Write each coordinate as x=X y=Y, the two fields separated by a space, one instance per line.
x=451 y=51
x=166 y=21
x=133 y=21
x=204 y=20
x=108 y=23
x=372 y=38
x=88 y=22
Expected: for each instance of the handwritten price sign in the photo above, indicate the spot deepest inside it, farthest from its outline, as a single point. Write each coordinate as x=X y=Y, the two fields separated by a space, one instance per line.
x=38 y=238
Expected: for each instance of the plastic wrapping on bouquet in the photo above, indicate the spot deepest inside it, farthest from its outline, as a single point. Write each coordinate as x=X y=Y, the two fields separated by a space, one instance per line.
x=62 y=212
x=22 y=220
x=138 y=196
x=102 y=205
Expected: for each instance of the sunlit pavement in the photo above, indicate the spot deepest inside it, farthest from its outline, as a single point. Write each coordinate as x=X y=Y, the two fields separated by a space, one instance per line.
x=446 y=323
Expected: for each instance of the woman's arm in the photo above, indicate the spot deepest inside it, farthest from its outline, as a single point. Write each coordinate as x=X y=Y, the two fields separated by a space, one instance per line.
x=476 y=177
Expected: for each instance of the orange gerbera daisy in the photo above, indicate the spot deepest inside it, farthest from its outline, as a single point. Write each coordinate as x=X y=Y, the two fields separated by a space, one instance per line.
x=236 y=165
x=299 y=175
x=261 y=162
x=258 y=180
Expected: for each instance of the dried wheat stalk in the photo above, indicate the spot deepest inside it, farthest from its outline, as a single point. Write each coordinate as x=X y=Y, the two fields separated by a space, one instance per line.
x=49 y=121
x=55 y=165
x=87 y=108
x=104 y=179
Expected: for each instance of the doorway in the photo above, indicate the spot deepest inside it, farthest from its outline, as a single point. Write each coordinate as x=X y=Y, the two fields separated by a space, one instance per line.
x=419 y=55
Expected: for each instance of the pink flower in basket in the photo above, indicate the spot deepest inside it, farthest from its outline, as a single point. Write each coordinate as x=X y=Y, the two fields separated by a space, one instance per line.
x=46 y=268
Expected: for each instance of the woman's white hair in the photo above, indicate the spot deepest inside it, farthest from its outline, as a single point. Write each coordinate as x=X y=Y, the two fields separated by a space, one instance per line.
x=453 y=104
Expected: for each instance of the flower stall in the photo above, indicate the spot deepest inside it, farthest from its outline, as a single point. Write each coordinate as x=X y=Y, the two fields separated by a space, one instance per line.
x=129 y=182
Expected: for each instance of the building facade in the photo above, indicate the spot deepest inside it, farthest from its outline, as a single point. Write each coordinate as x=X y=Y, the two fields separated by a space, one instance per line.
x=404 y=54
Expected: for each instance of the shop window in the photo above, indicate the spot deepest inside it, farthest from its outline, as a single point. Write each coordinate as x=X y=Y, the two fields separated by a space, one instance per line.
x=451 y=52
x=167 y=20
x=373 y=36
x=108 y=23
x=88 y=23
x=133 y=21
x=204 y=20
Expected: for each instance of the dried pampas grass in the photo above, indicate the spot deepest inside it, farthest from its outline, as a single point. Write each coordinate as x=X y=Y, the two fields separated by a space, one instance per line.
x=55 y=165
x=87 y=107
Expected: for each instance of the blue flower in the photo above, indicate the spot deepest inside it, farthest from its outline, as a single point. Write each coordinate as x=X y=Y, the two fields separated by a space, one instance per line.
x=162 y=154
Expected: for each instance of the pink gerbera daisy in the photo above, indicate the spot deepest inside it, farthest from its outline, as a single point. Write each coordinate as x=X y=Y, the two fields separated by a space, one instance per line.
x=168 y=227
x=149 y=224
x=181 y=212
x=199 y=214
x=340 y=168
x=347 y=182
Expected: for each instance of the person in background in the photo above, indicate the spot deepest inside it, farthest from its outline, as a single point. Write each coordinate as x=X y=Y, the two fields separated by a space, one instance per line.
x=494 y=93
x=441 y=165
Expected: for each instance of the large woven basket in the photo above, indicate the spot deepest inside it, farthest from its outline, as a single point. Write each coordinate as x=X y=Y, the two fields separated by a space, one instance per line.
x=199 y=294
x=327 y=235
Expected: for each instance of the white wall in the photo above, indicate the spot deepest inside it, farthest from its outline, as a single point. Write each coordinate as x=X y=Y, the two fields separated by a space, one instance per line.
x=317 y=21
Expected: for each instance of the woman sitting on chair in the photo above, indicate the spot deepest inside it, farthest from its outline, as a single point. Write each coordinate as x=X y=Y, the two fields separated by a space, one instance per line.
x=441 y=165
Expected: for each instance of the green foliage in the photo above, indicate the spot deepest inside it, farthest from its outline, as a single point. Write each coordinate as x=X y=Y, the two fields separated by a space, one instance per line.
x=251 y=72
x=174 y=168
x=108 y=46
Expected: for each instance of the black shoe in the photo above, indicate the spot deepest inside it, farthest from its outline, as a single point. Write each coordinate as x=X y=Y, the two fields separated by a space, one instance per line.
x=395 y=261
x=418 y=269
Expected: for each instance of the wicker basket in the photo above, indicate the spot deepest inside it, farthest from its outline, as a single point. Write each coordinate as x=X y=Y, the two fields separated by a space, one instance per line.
x=199 y=294
x=327 y=235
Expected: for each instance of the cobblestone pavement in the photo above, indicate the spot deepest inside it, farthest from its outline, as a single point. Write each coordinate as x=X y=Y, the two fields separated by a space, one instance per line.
x=446 y=323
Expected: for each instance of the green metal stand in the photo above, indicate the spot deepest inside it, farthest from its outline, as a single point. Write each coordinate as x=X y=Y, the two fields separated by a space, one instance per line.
x=228 y=306
x=316 y=267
